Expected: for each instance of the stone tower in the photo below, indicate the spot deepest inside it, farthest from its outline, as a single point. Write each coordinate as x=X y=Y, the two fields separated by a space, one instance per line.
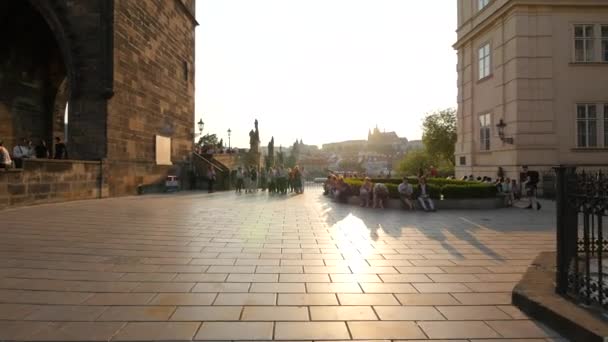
x=123 y=68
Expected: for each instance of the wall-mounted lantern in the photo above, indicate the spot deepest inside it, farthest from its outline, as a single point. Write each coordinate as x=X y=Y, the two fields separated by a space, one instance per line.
x=501 y=132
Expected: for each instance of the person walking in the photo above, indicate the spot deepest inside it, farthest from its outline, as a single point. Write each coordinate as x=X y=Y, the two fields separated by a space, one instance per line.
x=211 y=178
x=5 y=157
x=530 y=184
x=240 y=180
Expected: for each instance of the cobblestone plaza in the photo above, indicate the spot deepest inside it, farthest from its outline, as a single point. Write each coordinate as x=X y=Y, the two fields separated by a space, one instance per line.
x=195 y=266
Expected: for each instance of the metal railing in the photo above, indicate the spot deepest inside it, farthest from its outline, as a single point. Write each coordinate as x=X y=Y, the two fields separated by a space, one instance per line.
x=582 y=245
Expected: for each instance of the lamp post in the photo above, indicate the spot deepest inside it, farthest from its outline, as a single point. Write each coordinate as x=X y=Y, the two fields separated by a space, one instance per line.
x=229 y=132
x=201 y=125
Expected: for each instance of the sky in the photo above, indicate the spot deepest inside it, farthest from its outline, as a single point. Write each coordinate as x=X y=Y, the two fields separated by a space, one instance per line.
x=322 y=70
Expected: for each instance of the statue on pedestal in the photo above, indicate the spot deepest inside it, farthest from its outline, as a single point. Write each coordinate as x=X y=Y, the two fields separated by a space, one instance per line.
x=254 y=139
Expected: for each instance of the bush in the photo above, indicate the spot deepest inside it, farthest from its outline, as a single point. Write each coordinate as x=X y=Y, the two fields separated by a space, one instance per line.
x=450 y=189
x=393 y=189
x=469 y=191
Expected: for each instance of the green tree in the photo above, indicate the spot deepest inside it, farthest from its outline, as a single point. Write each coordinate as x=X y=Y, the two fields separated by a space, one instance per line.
x=208 y=139
x=439 y=134
x=414 y=161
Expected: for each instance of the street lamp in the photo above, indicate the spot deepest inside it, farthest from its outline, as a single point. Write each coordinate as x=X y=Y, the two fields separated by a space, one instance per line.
x=201 y=125
x=229 y=131
x=501 y=132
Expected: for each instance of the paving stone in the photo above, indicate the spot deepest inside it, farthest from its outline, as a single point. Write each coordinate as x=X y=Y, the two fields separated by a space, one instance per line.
x=119 y=299
x=353 y=278
x=221 y=287
x=311 y=331
x=216 y=331
x=491 y=287
x=483 y=298
x=479 y=313
x=207 y=313
x=183 y=299
x=201 y=277
x=405 y=278
x=20 y=330
x=164 y=287
x=253 y=278
x=342 y=313
x=387 y=288
x=456 y=329
x=157 y=331
x=137 y=313
x=408 y=313
x=367 y=299
x=245 y=299
x=13 y=312
x=426 y=299
x=275 y=313
x=62 y=313
x=304 y=278
x=521 y=329
x=441 y=287
x=333 y=288
x=76 y=331
x=385 y=330
x=307 y=299
x=278 y=287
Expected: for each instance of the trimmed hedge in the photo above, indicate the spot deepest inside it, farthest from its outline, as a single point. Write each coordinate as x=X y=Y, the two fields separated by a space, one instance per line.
x=461 y=189
x=414 y=181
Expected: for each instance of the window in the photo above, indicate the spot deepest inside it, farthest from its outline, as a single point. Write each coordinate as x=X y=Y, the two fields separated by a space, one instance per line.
x=481 y=4
x=604 y=44
x=484 y=132
x=484 y=61
x=586 y=125
x=186 y=70
x=583 y=43
x=463 y=160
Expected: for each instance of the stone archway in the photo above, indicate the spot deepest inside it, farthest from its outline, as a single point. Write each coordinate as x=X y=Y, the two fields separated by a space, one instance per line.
x=32 y=69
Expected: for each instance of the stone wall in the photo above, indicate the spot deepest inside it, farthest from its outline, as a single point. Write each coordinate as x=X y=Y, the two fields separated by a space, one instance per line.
x=153 y=90
x=47 y=180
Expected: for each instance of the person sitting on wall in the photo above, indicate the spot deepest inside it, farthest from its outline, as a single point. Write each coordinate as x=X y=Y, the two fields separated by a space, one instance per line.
x=41 y=151
x=380 y=195
x=61 y=151
x=5 y=157
x=20 y=151
x=405 y=194
x=424 y=197
x=342 y=191
x=365 y=192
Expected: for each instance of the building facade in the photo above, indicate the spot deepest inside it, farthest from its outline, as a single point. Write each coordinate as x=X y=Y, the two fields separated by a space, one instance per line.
x=532 y=85
x=122 y=70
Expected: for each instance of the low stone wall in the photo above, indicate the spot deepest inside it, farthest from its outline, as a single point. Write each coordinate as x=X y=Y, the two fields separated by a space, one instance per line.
x=464 y=203
x=47 y=180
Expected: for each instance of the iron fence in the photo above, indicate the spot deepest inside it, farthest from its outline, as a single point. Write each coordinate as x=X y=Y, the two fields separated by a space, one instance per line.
x=582 y=245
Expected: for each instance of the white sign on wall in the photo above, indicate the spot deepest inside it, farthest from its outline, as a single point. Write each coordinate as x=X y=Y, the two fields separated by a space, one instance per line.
x=163 y=150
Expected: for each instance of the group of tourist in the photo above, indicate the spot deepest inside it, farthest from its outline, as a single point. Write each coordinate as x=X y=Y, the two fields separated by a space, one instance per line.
x=26 y=150
x=376 y=195
x=278 y=180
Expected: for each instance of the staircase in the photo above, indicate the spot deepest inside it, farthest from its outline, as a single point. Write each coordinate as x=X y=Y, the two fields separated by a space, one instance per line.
x=200 y=165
